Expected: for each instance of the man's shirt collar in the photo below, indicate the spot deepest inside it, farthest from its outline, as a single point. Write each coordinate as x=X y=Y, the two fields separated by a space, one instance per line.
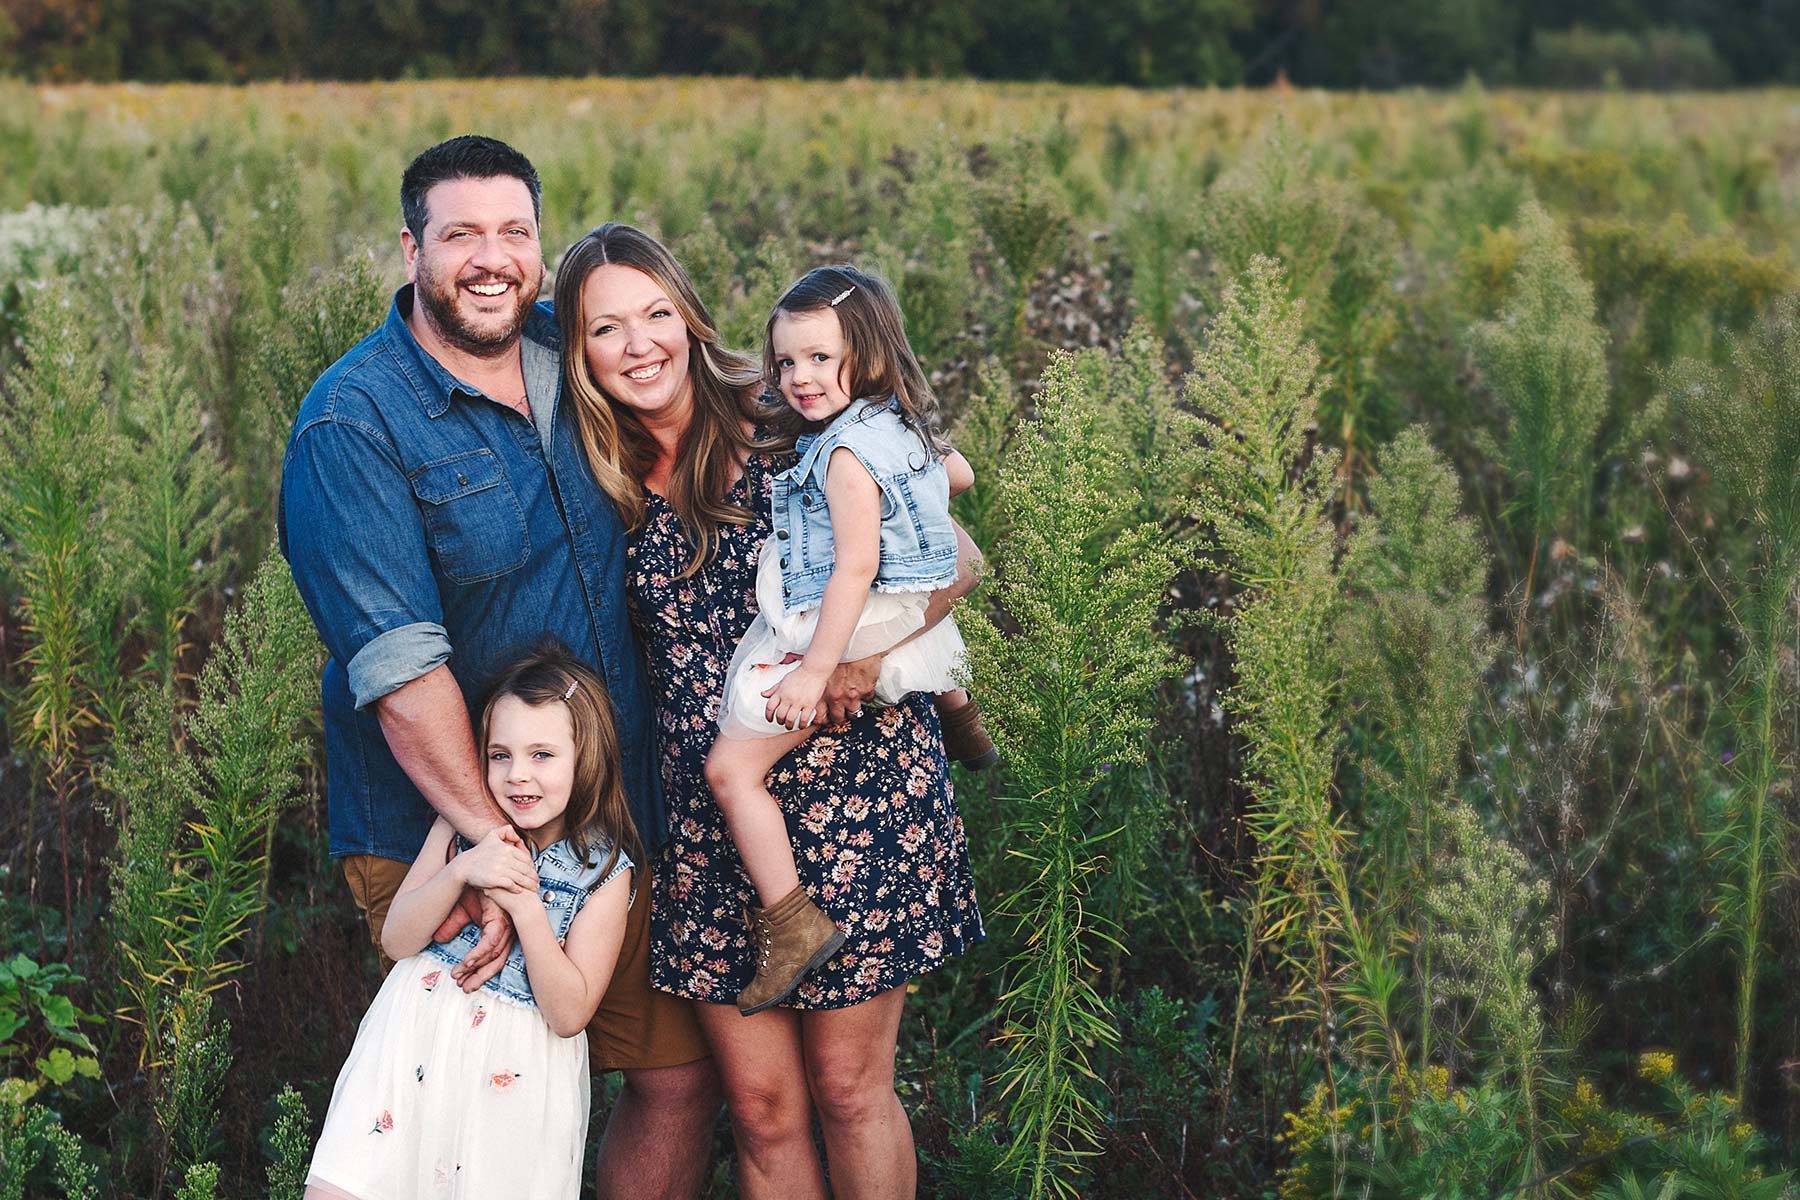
x=431 y=381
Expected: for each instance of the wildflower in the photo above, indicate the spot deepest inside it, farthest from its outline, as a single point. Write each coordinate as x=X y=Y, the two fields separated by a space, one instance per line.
x=1655 y=1066
x=384 y=1123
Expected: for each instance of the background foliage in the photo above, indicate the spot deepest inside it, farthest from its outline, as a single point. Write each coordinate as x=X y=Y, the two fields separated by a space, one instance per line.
x=1153 y=43
x=1399 y=692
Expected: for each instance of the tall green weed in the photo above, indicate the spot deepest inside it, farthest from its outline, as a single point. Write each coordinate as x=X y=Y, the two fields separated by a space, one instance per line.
x=1066 y=672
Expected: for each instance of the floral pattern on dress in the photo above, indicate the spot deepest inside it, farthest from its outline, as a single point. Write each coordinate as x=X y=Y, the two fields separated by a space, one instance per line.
x=878 y=840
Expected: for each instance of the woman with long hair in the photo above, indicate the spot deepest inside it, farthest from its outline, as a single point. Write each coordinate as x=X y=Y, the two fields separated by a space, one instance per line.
x=669 y=419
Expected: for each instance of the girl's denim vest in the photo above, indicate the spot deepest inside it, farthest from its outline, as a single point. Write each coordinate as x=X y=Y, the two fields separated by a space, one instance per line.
x=918 y=542
x=565 y=882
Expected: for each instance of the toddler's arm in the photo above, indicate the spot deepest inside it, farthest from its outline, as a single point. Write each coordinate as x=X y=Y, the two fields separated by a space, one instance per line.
x=854 y=500
x=962 y=475
x=433 y=886
x=568 y=980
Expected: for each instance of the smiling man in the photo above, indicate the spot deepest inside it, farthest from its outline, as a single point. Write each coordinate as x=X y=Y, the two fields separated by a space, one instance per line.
x=437 y=512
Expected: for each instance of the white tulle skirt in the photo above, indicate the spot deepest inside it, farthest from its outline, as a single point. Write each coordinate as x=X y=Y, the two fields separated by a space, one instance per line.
x=928 y=663
x=447 y=1095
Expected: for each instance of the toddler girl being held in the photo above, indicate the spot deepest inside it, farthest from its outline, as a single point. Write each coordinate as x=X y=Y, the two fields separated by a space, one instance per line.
x=862 y=537
x=486 y=1094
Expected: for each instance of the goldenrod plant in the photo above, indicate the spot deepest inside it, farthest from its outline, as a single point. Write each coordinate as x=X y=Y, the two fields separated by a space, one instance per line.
x=1338 y=257
x=1263 y=502
x=1544 y=360
x=1414 y=643
x=1067 y=670
x=1746 y=422
x=57 y=453
x=174 y=512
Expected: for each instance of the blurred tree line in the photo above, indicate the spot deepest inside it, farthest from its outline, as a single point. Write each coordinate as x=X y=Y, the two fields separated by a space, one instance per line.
x=1350 y=43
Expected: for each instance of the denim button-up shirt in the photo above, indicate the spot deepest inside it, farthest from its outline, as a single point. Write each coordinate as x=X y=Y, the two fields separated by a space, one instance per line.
x=426 y=523
x=918 y=541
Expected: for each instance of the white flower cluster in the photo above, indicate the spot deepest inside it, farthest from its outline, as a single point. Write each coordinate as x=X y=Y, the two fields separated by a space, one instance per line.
x=41 y=242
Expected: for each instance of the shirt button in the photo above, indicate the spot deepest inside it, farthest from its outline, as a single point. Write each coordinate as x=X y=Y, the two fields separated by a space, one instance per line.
x=784 y=563
x=782 y=534
x=462 y=481
x=549 y=896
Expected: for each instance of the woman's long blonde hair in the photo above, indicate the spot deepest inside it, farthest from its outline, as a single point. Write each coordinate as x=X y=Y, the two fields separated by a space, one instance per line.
x=726 y=387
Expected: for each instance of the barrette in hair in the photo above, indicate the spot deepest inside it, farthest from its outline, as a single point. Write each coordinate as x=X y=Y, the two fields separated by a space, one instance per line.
x=571 y=690
x=842 y=295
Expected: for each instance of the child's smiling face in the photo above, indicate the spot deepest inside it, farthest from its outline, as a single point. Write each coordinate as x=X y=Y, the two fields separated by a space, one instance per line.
x=531 y=765
x=809 y=353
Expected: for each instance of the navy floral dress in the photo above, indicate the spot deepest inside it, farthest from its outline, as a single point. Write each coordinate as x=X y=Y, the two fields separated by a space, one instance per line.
x=876 y=834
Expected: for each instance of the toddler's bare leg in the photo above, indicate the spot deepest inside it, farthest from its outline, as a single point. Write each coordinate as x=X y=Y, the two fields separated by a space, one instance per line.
x=324 y=1191
x=735 y=770
x=950 y=701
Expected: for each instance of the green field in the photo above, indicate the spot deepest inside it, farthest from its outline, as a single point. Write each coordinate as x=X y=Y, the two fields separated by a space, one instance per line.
x=1393 y=507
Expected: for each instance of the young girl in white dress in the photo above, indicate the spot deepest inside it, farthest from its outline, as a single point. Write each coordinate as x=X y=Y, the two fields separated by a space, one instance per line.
x=862 y=537
x=485 y=1094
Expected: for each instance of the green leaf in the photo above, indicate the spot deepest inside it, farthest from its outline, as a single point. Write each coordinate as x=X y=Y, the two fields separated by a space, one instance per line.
x=59 y=1011
x=58 y=1066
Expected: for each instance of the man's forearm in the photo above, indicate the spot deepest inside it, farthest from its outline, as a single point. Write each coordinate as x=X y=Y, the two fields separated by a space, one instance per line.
x=427 y=728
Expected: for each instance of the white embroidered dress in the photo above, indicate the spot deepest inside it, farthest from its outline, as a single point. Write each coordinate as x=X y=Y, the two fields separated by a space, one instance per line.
x=465 y=1096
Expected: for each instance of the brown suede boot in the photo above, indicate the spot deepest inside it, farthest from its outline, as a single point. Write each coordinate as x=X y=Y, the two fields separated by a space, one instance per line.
x=792 y=937
x=965 y=741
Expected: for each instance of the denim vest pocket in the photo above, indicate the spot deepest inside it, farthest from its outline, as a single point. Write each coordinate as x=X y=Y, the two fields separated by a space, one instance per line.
x=472 y=516
x=901 y=486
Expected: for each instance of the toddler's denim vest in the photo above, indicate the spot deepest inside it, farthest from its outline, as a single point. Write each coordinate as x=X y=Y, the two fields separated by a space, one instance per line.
x=918 y=543
x=564 y=882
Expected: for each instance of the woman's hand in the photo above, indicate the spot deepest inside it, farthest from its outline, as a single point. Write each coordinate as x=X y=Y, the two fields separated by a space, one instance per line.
x=794 y=701
x=498 y=863
x=848 y=687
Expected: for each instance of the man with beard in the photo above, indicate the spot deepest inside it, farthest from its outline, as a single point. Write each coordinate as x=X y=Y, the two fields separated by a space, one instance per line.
x=438 y=512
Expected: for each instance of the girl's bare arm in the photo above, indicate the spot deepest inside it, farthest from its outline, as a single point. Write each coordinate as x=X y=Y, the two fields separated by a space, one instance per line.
x=433 y=886
x=568 y=980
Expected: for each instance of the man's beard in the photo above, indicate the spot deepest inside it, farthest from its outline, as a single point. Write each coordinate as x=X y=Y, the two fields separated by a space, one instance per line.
x=439 y=298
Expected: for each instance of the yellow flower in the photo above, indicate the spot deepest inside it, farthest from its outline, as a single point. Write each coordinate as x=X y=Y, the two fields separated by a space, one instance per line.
x=1655 y=1066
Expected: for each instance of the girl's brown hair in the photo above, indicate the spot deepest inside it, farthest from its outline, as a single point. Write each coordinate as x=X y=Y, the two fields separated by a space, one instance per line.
x=548 y=674
x=878 y=360
x=726 y=388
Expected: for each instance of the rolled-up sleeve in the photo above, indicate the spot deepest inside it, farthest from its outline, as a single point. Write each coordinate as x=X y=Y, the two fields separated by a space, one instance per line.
x=357 y=548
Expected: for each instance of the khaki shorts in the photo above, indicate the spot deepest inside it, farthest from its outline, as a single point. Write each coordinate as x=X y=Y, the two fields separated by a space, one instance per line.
x=636 y=1026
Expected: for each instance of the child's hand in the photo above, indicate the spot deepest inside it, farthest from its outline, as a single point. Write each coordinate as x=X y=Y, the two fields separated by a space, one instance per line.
x=499 y=863
x=794 y=701
x=516 y=904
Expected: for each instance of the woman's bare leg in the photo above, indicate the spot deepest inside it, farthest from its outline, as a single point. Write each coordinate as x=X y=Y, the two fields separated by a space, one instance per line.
x=736 y=771
x=850 y=1073
x=764 y=1073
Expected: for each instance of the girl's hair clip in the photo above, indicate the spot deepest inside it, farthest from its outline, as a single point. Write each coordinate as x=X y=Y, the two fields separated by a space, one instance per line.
x=842 y=295
x=570 y=692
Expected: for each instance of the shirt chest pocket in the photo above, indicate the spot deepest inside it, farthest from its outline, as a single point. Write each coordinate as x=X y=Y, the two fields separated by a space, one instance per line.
x=472 y=517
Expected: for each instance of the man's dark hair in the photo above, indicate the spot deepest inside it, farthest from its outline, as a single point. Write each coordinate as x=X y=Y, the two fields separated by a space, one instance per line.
x=470 y=156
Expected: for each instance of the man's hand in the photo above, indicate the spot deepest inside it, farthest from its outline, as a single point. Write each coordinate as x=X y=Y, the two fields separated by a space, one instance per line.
x=489 y=954
x=466 y=912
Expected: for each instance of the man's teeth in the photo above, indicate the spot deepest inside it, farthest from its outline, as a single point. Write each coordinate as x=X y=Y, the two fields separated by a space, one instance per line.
x=488 y=289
